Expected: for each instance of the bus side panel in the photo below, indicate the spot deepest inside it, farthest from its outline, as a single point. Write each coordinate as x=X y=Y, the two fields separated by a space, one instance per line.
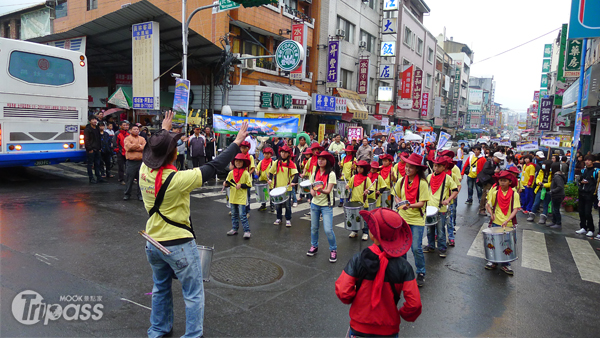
x=32 y=159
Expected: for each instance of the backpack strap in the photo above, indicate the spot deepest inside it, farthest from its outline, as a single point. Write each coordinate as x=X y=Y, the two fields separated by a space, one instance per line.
x=158 y=201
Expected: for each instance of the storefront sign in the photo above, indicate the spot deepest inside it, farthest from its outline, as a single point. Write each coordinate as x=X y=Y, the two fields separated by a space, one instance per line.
x=333 y=66
x=550 y=141
x=386 y=71
x=545 y=114
x=299 y=35
x=544 y=81
x=584 y=21
x=384 y=109
x=546 y=66
x=573 y=61
x=321 y=132
x=388 y=48
x=417 y=89
x=341 y=105
x=390 y=5
x=536 y=96
x=323 y=103
x=586 y=127
x=424 y=104
x=406 y=91
x=363 y=77
x=390 y=25
x=355 y=133
x=547 y=51
x=385 y=121
x=275 y=100
x=527 y=146
x=146 y=65
x=457 y=82
x=181 y=100
x=385 y=94
x=289 y=55
x=287 y=127
x=123 y=79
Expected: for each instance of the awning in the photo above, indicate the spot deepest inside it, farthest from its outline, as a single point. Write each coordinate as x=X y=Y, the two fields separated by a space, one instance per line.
x=371 y=120
x=279 y=85
x=354 y=103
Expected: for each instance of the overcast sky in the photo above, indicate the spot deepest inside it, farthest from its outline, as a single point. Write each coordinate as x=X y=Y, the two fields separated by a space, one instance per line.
x=491 y=27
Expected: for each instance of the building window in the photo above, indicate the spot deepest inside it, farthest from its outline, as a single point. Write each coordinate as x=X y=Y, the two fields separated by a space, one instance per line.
x=430 y=55
x=407 y=36
x=61 y=9
x=347 y=27
x=346 y=79
x=428 y=79
x=369 y=39
x=92 y=4
x=372 y=4
x=243 y=43
x=419 y=46
x=298 y=9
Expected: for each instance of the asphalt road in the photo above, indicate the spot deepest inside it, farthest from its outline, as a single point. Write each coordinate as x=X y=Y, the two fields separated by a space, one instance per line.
x=61 y=237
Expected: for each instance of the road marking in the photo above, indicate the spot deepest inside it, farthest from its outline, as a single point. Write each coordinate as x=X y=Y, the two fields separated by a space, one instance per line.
x=585 y=258
x=44 y=258
x=138 y=304
x=476 y=249
x=534 y=251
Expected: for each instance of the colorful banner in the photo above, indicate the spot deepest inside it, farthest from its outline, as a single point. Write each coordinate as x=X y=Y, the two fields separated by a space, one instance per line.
x=285 y=127
x=545 y=121
x=527 y=146
x=321 y=133
x=355 y=133
x=424 y=104
x=299 y=35
x=363 y=77
x=181 y=100
x=550 y=141
x=333 y=65
x=586 y=127
x=407 y=83
x=444 y=137
x=475 y=99
x=416 y=97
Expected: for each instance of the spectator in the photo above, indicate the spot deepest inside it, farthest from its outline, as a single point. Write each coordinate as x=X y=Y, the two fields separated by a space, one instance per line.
x=91 y=138
x=365 y=152
x=110 y=131
x=134 y=146
x=144 y=133
x=181 y=145
x=580 y=164
x=557 y=192
x=587 y=187
x=197 y=146
x=392 y=147
x=277 y=143
x=119 y=142
x=354 y=144
x=460 y=155
x=543 y=181
x=472 y=167
x=253 y=143
x=564 y=166
x=379 y=148
x=336 y=147
x=209 y=149
x=105 y=152
x=110 y=120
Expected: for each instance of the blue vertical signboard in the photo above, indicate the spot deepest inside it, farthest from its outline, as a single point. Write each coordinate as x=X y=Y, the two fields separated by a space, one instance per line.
x=333 y=66
x=585 y=19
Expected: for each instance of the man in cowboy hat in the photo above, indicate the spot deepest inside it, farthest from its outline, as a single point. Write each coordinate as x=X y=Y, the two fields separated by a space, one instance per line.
x=374 y=279
x=485 y=177
x=166 y=195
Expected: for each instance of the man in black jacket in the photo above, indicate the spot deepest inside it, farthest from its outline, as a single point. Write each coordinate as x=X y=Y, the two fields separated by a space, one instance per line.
x=587 y=186
x=485 y=178
x=392 y=147
x=91 y=138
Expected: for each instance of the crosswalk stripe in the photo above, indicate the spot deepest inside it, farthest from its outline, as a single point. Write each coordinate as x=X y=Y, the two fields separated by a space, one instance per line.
x=585 y=258
x=476 y=249
x=534 y=251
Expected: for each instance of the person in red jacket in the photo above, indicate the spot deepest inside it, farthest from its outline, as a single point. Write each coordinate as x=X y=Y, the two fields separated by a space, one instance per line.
x=373 y=279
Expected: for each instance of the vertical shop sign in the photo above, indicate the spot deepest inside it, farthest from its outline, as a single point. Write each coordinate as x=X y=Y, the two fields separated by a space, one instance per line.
x=407 y=83
x=146 y=65
x=333 y=66
x=545 y=114
x=363 y=77
x=424 y=104
x=417 y=91
x=299 y=35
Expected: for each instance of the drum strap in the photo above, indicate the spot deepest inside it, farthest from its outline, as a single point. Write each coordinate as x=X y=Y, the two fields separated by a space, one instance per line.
x=442 y=192
x=418 y=193
x=158 y=201
x=512 y=205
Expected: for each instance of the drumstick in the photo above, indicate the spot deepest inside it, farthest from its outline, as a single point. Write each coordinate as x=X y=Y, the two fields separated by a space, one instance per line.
x=154 y=243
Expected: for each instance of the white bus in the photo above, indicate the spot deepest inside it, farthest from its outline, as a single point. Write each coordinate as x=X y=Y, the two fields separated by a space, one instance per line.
x=43 y=104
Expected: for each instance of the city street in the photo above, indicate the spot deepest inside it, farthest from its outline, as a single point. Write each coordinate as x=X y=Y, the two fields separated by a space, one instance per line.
x=61 y=236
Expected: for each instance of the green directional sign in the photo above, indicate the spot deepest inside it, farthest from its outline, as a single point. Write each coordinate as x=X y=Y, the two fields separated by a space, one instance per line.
x=546 y=66
x=225 y=5
x=288 y=55
x=548 y=51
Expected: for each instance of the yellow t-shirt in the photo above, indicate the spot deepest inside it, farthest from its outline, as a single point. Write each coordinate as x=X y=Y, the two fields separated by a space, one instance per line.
x=395 y=170
x=501 y=217
x=283 y=177
x=388 y=180
x=239 y=196
x=264 y=175
x=176 y=204
x=378 y=186
x=456 y=175
x=347 y=169
x=252 y=165
x=357 y=192
x=434 y=199
x=527 y=173
x=321 y=200
x=413 y=216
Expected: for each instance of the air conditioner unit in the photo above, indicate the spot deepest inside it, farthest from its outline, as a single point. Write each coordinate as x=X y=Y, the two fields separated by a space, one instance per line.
x=362 y=44
x=340 y=33
x=249 y=64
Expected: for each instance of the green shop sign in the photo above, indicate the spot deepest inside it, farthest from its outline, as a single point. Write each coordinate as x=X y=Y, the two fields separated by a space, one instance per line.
x=275 y=100
x=288 y=55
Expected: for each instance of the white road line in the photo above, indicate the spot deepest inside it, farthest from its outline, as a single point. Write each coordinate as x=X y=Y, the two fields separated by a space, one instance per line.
x=586 y=259
x=476 y=249
x=534 y=251
x=138 y=304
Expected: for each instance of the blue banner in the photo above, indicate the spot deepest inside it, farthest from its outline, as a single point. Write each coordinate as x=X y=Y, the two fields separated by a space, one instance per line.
x=444 y=137
x=287 y=127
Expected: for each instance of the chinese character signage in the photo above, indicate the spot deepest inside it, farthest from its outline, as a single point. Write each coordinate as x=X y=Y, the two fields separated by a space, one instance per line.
x=340 y=105
x=123 y=79
x=390 y=5
x=275 y=100
x=299 y=35
x=545 y=114
x=333 y=66
x=355 y=133
x=424 y=104
x=387 y=71
x=389 y=26
x=544 y=82
x=584 y=21
x=417 y=89
x=536 y=96
x=328 y=104
x=385 y=94
x=146 y=65
x=284 y=127
x=407 y=76
x=573 y=60
x=363 y=77
x=457 y=80
x=550 y=141
x=546 y=66
x=547 y=51
x=388 y=48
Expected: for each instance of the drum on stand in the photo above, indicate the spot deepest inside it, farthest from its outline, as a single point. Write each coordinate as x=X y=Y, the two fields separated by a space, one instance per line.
x=372 y=202
x=279 y=195
x=262 y=192
x=353 y=219
x=432 y=216
x=305 y=187
x=500 y=244
x=387 y=199
x=206 y=254
x=340 y=189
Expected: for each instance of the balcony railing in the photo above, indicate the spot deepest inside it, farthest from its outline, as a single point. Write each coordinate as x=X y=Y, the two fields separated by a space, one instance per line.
x=266 y=64
x=298 y=14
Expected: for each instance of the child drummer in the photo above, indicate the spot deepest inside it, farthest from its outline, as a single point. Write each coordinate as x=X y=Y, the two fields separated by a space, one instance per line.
x=245 y=147
x=311 y=165
x=306 y=158
x=348 y=165
x=283 y=173
x=453 y=171
x=239 y=182
x=443 y=190
x=379 y=185
x=264 y=167
x=386 y=168
x=503 y=205
x=361 y=186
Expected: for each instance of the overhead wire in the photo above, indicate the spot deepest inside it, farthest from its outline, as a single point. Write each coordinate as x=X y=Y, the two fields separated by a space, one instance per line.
x=523 y=44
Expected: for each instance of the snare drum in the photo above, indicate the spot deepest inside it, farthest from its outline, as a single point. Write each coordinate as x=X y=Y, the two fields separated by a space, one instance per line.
x=279 y=195
x=353 y=219
x=227 y=197
x=305 y=187
x=262 y=192
x=372 y=204
x=386 y=199
x=340 y=188
x=500 y=244
x=432 y=217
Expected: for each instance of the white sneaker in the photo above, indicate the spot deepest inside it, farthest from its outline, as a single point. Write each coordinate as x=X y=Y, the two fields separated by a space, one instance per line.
x=590 y=234
x=295 y=204
x=277 y=222
x=353 y=234
x=288 y=224
x=247 y=234
x=580 y=231
x=365 y=237
x=597 y=237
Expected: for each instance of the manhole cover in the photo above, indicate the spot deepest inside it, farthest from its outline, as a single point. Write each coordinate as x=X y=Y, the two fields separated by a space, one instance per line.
x=245 y=271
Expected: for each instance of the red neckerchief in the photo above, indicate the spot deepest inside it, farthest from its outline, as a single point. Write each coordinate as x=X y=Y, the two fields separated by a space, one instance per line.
x=266 y=162
x=380 y=277
x=385 y=171
x=504 y=201
x=449 y=172
x=373 y=176
x=436 y=182
x=321 y=177
x=312 y=163
x=410 y=190
x=401 y=170
x=287 y=164
x=158 y=181
x=359 y=179
x=237 y=174
x=348 y=158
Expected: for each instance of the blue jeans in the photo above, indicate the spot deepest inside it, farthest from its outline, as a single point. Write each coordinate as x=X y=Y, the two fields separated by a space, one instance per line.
x=417 y=248
x=288 y=208
x=502 y=264
x=459 y=164
x=248 y=201
x=451 y=219
x=527 y=198
x=183 y=262
x=538 y=200
x=440 y=228
x=472 y=182
x=295 y=198
x=238 y=213
x=315 y=213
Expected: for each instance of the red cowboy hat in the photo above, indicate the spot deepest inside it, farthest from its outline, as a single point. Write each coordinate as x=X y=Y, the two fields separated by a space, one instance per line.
x=363 y=163
x=375 y=165
x=387 y=157
x=448 y=153
x=443 y=160
x=245 y=144
x=242 y=157
x=327 y=155
x=404 y=156
x=268 y=150
x=316 y=146
x=307 y=152
x=389 y=229
x=349 y=148
x=507 y=175
x=415 y=159
x=514 y=170
x=285 y=148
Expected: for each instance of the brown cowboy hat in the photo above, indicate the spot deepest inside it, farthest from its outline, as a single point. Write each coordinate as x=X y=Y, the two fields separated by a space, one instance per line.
x=242 y=157
x=415 y=159
x=160 y=146
x=389 y=229
x=327 y=155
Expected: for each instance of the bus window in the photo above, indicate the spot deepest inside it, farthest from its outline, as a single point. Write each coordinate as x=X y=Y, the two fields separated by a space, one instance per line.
x=41 y=69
